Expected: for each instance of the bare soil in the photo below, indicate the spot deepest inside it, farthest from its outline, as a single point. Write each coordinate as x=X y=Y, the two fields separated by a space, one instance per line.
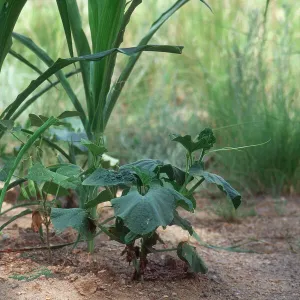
x=272 y=271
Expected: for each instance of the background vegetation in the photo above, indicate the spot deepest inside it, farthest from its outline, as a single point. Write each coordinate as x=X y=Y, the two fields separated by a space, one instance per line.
x=238 y=74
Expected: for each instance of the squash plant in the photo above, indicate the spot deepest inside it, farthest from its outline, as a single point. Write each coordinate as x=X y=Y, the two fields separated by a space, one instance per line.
x=153 y=194
x=108 y=20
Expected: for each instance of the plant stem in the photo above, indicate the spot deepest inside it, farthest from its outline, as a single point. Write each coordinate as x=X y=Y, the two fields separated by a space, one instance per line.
x=195 y=186
x=51 y=121
x=48 y=241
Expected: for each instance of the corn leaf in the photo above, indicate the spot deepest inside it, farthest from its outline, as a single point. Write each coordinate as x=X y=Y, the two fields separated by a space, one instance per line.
x=64 y=15
x=9 y=14
x=49 y=62
x=116 y=89
x=39 y=94
x=82 y=47
x=25 y=61
x=105 y=18
x=62 y=63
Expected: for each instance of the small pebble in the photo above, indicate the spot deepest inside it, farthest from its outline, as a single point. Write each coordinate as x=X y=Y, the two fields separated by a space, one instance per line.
x=14 y=285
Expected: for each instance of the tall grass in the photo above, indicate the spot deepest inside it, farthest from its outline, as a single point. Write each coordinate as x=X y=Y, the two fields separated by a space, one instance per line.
x=232 y=72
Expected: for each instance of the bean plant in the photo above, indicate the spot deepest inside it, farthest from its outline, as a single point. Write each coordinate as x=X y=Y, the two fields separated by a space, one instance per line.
x=153 y=195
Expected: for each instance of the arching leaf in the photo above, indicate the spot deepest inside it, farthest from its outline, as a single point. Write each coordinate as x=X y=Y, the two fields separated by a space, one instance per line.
x=189 y=254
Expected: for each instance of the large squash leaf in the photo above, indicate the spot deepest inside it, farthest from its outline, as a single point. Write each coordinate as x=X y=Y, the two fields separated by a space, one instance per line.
x=39 y=173
x=76 y=218
x=104 y=177
x=142 y=214
x=145 y=164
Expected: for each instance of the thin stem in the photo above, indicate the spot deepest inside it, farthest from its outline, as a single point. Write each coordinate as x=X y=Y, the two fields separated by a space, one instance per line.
x=22 y=152
x=39 y=94
x=191 y=191
x=48 y=242
x=202 y=155
x=17 y=138
x=51 y=144
x=19 y=205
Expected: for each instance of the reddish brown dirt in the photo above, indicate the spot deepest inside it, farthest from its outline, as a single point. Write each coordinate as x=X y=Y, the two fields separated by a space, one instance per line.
x=273 y=272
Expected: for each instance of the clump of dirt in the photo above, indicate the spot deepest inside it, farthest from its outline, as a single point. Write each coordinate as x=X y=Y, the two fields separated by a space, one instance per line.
x=271 y=271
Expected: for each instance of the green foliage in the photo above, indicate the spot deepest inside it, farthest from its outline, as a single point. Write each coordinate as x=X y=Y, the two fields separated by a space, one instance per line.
x=9 y=14
x=104 y=177
x=205 y=140
x=152 y=193
x=232 y=194
x=142 y=214
x=33 y=275
x=76 y=218
x=189 y=254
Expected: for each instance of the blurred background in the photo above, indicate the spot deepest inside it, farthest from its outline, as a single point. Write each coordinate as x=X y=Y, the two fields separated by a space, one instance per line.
x=238 y=74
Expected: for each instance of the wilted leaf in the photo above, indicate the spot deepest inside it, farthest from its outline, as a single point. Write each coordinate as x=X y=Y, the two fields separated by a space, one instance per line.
x=189 y=254
x=37 y=221
x=174 y=173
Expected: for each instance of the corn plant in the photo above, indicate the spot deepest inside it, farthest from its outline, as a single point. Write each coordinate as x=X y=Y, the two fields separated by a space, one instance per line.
x=108 y=20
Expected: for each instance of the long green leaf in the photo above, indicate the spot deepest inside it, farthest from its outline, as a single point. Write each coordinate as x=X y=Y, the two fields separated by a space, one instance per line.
x=62 y=63
x=49 y=62
x=21 y=214
x=24 y=204
x=50 y=144
x=64 y=15
x=110 y=66
x=82 y=47
x=31 y=100
x=105 y=18
x=9 y=14
x=51 y=121
x=25 y=61
x=116 y=89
